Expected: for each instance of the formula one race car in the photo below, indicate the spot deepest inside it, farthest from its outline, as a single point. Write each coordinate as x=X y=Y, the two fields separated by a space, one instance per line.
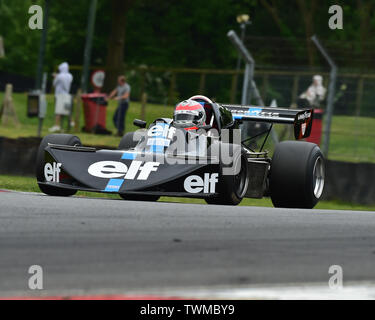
x=198 y=153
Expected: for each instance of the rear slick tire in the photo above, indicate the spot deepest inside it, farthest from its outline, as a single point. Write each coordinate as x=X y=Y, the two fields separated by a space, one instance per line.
x=297 y=175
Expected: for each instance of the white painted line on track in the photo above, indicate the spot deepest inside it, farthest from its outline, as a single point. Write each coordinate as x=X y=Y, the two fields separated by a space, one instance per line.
x=313 y=291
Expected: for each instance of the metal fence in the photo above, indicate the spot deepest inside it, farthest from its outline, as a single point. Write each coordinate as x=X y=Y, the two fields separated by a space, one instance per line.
x=353 y=127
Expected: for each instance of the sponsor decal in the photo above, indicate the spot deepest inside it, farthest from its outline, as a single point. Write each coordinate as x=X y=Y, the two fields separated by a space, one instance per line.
x=159 y=137
x=115 y=170
x=239 y=114
x=195 y=184
x=269 y=114
x=52 y=172
x=253 y=111
x=114 y=185
x=161 y=130
x=304 y=116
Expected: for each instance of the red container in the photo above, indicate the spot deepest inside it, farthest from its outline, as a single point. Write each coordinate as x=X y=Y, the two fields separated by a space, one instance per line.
x=316 y=130
x=95 y=110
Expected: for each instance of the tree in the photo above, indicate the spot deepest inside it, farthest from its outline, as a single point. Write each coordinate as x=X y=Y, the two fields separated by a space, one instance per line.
x=116 y=40
x=308 y=11
x=365 y=8
x=287 y=26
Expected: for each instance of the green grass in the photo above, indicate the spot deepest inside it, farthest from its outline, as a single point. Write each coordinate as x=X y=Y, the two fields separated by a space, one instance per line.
x=28 y=184
x=29 y=126
x=352 y=139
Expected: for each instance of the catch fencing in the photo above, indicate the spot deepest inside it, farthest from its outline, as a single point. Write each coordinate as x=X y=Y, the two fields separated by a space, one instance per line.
x=353 y=126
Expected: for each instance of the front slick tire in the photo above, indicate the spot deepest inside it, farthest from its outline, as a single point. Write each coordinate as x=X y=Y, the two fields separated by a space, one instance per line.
x=297 y=175
x=62 y=139
x=232 y=187
x=136 y=197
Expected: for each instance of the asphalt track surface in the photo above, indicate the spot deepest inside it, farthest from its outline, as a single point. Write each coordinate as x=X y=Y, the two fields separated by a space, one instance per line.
x=92 y=245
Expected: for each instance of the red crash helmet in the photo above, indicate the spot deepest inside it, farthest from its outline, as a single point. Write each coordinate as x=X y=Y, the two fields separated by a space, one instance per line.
x=189 y=114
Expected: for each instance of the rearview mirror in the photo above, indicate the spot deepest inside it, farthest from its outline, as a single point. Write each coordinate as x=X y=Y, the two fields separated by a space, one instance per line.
x=140 y=123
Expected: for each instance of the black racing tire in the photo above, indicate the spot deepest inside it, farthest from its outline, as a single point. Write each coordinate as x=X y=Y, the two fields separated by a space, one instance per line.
x=127 y=141
x=297 y=175
x=233 y=187
x=62 y=139
x=136 y=197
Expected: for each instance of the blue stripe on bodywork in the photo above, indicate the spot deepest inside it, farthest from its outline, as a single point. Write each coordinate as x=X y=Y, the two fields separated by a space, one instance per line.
x=114 y=185
x=159 y=148
x=128 y=156
x=250 y=112
x=254 y=111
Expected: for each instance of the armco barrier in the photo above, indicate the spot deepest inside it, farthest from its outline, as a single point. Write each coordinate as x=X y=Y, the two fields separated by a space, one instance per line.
x=18 y=156
x=348 y=182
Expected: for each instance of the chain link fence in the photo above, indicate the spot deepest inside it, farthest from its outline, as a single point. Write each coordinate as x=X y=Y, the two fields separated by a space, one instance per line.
x=353 y=125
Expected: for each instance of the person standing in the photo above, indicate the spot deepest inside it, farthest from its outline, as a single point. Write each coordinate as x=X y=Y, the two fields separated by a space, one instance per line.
x=122 y=94
x=63 y=100
x=314 y=95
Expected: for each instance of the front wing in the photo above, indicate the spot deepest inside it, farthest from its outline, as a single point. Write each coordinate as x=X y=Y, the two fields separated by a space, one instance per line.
x=128 y=172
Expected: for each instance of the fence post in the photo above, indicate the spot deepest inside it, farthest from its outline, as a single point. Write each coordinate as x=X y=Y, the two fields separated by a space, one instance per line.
x=331 y=94
x=249 y=86
x=7 y=107
x=143 y=82
x=172 y=88
x=77 y=114
x=359 y=96
x=265 y=86
x=233 y=89
x=202 y=83
x=295 y=89
x=143 y=105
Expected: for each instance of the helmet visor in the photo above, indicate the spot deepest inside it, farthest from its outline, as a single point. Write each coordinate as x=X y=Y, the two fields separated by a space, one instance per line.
x=187 y=117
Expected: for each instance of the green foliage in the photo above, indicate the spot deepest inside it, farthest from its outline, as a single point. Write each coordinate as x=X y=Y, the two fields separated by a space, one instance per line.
x=20 y=42
x=190 y=33
x=28 y=184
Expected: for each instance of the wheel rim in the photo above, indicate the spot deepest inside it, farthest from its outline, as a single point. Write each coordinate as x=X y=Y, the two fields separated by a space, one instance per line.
x=318 y=177
x=241 y=180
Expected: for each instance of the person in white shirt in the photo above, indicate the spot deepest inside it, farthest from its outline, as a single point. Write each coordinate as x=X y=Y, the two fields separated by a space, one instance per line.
x=314 y=95
x=63 y=100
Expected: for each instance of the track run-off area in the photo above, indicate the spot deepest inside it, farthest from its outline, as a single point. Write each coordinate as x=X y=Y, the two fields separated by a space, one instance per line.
x=90 y=246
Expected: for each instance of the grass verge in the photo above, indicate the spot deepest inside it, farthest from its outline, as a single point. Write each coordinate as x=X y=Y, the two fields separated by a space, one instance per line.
x=28 y=184
x=352 y=138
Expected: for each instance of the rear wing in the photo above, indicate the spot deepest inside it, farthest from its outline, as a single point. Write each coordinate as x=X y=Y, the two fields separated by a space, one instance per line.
x=301 y=119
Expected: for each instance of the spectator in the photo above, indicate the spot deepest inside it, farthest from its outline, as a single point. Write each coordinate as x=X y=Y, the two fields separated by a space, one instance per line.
x=314 y=95
x=63 y=101
x=122 y=94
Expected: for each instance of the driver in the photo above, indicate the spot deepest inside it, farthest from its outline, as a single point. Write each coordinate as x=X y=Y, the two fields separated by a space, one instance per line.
x=190 y=115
